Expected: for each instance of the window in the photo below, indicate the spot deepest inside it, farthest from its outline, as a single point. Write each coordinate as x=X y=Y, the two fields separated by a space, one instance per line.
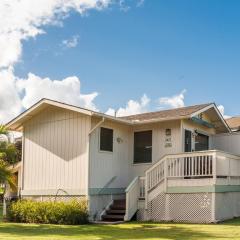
x=106 y=139
x=143 y=147
x=188 y=141
x=201 y=142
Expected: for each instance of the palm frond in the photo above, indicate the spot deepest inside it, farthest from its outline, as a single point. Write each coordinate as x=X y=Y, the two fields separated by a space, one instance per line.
x=3 y=129
x=6 y=175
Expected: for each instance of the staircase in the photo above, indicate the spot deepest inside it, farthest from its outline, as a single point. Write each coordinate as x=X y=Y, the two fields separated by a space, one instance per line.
x=116 y=211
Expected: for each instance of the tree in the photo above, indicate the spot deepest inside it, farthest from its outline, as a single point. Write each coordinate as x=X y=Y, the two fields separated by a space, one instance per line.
x=6 y=176
x=8 y=151
x=3 y=129
x=8 y=156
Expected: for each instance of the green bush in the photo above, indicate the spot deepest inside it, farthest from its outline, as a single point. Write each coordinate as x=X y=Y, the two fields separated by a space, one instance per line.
x=27 y=211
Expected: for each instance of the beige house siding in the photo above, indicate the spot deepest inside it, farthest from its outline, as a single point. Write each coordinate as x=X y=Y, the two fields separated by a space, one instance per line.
x=227 y=142
x=56 y=152
x=158 y=143
x=106 y=165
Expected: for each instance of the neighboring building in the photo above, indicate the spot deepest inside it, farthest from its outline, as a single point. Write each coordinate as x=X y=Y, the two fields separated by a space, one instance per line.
x=234 y=123
x=160 y=165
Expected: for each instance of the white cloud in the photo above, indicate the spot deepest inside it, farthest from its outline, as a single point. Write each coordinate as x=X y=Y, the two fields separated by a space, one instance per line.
x=175 y=101
x=71 y=42
x=221 y=109
x=10 y=102
x=111 y=112
x=22 y=19
x=67 y=90
x=132 y=107
x=34 y=88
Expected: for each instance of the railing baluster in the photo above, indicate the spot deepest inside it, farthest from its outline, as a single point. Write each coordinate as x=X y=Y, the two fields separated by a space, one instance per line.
x=195 y=164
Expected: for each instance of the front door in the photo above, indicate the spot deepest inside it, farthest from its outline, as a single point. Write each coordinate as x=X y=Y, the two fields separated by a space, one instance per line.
x=201 y=142
x=188 y=141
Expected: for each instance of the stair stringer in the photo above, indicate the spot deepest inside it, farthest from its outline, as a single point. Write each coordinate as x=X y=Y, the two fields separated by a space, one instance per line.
x=160 y=188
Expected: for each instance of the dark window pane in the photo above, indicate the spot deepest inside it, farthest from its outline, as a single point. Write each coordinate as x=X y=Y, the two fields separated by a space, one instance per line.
x=106 y=139
x=143 y=147
x=201 y=142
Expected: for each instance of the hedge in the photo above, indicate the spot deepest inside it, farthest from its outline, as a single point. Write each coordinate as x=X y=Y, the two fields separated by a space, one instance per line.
x=28 y=211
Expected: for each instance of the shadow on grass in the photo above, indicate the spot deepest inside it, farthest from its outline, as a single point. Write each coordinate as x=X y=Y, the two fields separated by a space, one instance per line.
x=122 y=231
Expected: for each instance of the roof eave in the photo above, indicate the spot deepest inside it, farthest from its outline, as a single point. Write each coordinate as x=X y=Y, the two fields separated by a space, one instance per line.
x=213 y=105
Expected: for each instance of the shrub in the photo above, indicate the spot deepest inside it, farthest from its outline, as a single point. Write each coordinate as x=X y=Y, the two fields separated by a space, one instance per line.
x=28 y=211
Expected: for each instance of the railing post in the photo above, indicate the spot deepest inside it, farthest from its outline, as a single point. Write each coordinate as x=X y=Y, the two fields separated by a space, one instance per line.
x=165 y=174
x=146 y=191
x=127 y=208
x=214 y=168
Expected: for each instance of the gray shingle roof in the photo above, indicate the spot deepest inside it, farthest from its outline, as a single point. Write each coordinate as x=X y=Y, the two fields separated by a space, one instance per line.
x=176 y=113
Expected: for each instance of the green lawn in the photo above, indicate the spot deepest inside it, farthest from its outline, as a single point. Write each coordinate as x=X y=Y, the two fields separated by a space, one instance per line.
x=148 y=231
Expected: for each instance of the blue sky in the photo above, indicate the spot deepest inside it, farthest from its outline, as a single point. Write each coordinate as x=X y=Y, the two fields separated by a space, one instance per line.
x=159 y=49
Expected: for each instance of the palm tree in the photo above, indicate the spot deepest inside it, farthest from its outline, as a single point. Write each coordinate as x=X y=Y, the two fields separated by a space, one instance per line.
x=6 y=176
x=8 y=151
x=6 y=179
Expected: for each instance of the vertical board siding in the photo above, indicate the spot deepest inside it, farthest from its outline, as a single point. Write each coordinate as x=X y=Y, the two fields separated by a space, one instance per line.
x=227 y=143
x=158 y=144
x=56 y=150
x=106 y=165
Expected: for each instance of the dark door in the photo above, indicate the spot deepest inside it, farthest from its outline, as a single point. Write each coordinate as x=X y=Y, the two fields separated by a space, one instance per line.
x=201 y=142
x=188 y=141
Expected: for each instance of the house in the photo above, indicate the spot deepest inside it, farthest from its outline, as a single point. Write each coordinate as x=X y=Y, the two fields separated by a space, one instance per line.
x=234 y=123
x=158 y=166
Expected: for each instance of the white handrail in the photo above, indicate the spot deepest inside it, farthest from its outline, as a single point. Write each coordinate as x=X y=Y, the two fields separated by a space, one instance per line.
x=132 y=195
x=194 y=164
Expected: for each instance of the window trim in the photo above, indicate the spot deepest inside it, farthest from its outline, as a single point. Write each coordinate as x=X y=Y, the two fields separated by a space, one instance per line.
x=146 y=163
x=99 y=141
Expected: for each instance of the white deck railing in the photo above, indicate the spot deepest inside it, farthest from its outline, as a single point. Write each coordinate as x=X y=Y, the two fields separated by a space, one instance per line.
x=184 y=165
x=180 y=167
x=194 y=165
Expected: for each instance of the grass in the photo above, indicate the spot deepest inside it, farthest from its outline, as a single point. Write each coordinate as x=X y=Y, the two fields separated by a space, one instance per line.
x=148 y=231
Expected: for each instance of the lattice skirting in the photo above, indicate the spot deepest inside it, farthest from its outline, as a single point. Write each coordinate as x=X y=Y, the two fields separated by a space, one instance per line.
x=192 y=207
x=195 y=208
